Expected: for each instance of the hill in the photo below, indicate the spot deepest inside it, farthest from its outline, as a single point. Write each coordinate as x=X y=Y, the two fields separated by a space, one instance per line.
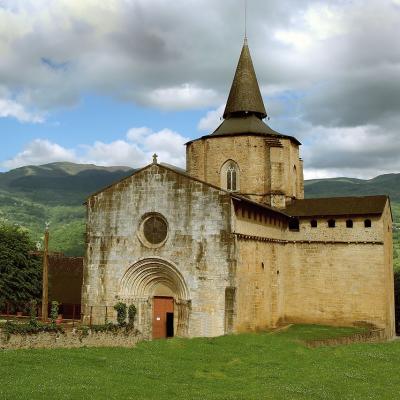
x=32 y=195
x=384 y=184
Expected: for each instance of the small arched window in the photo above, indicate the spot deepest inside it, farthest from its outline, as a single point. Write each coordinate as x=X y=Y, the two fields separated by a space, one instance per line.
x=230 y=176
x=314 y=223
x=367 y=223
x=349 y=223
x=331 y=223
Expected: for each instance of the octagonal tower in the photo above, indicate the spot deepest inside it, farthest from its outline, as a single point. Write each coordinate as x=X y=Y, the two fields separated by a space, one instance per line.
x=244 y=154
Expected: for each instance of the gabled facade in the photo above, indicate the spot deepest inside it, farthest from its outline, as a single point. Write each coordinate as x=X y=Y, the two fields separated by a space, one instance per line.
x=231 y=244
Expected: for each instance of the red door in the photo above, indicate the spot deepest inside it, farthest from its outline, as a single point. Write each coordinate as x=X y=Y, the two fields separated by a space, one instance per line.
x=161 y=306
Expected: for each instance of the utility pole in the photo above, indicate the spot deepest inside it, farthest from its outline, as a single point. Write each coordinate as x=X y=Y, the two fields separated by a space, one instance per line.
x=45 y=287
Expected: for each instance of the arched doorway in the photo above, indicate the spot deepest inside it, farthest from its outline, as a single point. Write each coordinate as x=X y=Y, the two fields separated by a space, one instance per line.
x=161 y=296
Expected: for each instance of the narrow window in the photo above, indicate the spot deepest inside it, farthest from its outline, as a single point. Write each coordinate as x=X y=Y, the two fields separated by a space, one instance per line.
x=367 y=223
x=314 y=223
x=331 y=223
x=231 y=177
x=349 y=223
x=294 y=224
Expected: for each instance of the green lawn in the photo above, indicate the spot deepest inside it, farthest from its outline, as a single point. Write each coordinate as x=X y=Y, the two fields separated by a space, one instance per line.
x=249 y=366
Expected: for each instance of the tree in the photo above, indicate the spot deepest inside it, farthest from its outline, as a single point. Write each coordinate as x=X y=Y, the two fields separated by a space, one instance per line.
x=20 y=269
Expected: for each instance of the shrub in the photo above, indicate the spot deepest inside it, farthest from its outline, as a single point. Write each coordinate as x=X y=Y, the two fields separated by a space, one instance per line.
x=131 y=315
x=32 y=313
x=12 y=328
x=121 y=313
x=54 y=311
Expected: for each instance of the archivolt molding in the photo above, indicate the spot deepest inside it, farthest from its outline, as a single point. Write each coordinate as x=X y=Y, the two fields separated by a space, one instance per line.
x=141 y=278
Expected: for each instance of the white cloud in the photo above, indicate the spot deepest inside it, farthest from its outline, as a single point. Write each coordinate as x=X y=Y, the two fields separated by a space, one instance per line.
x=12 y=109
x=137 y=134
x=183 y=97
x=134 y=151
x=361 y=151
x=118 y=152
x=211 y=120
x=299 y=40
x=138 y=148
x=168 y=144
x=326 y=64
x=38 y=152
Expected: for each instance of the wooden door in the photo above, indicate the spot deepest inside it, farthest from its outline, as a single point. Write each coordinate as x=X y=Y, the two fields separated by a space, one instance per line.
x=161 y=307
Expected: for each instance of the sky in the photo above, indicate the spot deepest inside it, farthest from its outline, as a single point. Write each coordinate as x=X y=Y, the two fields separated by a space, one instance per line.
x=111 y=82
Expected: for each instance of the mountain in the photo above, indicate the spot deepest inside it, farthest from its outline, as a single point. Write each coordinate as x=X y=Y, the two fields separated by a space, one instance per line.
x=59 y=183
x=32 y=195
x=384 y=184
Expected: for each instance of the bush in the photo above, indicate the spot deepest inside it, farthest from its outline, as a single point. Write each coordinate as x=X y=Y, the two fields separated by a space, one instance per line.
x=54 y=311
x=121 y=313
x=12 y=328
x=131 y=315
x=32 y=313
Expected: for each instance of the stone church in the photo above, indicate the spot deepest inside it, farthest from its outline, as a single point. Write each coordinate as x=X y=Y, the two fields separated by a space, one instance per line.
x=230 y=244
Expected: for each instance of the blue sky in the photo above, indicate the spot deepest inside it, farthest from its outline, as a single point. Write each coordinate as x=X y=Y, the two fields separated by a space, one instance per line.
x=95 y=118
x=113 y=82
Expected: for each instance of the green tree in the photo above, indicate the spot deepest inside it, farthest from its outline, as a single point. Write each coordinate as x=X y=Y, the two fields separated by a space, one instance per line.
x=20 y=270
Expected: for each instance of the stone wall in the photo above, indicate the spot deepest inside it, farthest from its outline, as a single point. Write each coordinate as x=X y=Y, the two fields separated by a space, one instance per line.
x=335 y=284
x=198 y=248
x=69 y=339
x=336 y=276
x=259 y=299
x=270 y=168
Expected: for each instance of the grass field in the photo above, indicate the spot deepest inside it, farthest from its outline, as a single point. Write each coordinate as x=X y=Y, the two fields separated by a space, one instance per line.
x=249 y=366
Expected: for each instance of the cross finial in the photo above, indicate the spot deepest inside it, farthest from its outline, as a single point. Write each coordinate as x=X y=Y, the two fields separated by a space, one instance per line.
x=155 y=158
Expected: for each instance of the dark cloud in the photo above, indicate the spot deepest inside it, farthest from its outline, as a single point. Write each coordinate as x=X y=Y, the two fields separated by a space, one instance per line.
x=328 y=68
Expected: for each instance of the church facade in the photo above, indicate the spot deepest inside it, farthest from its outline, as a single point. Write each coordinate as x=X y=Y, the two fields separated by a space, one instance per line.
x=230 y=244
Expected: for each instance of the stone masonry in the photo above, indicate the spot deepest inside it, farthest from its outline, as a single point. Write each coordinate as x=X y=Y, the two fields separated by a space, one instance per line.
x=232 y=241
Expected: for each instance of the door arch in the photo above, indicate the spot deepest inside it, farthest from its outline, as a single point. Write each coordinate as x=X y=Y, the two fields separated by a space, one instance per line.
x=149 y=279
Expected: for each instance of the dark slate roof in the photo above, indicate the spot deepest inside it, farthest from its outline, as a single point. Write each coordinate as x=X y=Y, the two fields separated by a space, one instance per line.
x=248 y=125
x=245 y=95
x=367 y=205
x=253 y=203
x=245 y=110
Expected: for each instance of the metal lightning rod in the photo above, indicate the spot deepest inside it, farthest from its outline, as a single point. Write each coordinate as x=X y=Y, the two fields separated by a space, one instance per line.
x=245 y=21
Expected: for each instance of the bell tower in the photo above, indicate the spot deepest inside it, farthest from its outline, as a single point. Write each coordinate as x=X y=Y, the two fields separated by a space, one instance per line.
x=244 y=155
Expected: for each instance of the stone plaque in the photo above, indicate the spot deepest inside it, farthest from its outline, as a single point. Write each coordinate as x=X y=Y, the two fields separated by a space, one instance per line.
x=155 y=229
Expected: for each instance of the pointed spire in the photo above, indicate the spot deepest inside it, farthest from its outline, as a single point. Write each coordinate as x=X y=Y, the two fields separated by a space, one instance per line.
x=245 y=96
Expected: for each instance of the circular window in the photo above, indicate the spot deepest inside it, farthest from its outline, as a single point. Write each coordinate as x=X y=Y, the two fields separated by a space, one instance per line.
x=154 y=230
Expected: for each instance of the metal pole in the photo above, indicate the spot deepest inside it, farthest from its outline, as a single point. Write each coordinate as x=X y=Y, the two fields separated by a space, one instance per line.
x=45 y=289
x=73 y=315
x=91 y=316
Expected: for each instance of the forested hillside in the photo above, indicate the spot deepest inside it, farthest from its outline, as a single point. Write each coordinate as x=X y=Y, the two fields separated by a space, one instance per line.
x=32 y=195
